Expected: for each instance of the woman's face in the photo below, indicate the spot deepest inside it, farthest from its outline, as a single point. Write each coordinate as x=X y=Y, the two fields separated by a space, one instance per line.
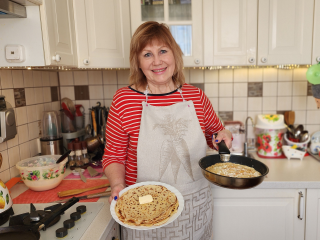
x=157 y=63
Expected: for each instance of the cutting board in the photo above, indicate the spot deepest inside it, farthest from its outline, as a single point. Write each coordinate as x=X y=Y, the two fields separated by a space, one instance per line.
x=31 y=196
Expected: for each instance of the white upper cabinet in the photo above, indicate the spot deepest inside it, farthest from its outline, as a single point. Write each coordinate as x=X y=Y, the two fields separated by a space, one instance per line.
x=184 y=18
x=316 y=34
x=285 y=32
x=313 y=214
x=103 y=33
x=58 y=33
x=230 y=32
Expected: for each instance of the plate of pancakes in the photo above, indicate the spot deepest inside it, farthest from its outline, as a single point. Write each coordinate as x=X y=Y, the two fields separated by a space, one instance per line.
x=167 y=204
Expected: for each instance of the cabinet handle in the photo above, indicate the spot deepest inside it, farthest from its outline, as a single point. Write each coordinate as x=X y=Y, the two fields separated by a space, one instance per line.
x=56 y=58
x=318 y=59
x=197 y=61
x=251 y=60
x=301 y=206
x=85 y=61
x=264 y=59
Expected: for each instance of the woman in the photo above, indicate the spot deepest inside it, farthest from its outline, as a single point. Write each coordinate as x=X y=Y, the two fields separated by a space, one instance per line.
x=158 y=129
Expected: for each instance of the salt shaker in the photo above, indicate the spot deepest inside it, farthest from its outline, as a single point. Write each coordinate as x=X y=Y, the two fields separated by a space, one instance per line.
x=71 y=157
x=85 y=155
x=78 y=159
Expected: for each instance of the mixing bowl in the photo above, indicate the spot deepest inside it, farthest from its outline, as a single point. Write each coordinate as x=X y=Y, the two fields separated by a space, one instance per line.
x=42 y=173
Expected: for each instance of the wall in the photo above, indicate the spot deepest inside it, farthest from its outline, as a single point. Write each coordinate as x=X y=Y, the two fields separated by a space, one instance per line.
x=39 y=88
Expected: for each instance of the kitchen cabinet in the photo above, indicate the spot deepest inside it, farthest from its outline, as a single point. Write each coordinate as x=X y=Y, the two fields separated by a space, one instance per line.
x=248 y=32
x=102 y=33
x=258 y=214
x=313 y=214
x=184 y=18
x=316 y=34
x=57 y=22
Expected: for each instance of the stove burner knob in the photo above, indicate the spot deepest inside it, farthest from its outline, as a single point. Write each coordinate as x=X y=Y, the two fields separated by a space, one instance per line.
x=75 y=216
x=81 y=209
x=61 y=232
x=68 y=223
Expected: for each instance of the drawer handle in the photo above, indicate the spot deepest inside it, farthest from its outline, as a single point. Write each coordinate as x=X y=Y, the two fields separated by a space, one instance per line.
x=301 y=206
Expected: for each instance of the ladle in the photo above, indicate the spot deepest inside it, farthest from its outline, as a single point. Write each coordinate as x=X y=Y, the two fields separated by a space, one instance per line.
x=297 y=131
x=304 y=136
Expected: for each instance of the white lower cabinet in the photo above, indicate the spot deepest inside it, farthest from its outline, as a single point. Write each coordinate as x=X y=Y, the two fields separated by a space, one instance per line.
x=313 y=214
x=259 y=214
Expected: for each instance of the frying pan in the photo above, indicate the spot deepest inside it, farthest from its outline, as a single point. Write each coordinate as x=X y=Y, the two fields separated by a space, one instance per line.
x=231 y=182
x=32 y=232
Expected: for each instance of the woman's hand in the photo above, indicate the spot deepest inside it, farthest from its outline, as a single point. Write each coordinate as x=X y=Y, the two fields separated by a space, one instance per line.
x=115 y=191
x=225 y=135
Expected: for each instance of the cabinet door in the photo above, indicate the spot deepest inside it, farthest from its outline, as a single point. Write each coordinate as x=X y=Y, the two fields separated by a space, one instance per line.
x=58 y=32
x=316 y=34
x=262 y=214
x=313 y=214
x=285 y=32
x=230 y=32
x=184 y=18
x=103 y=33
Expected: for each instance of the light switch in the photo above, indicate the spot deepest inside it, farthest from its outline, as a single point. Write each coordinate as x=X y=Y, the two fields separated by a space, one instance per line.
x=15 y=53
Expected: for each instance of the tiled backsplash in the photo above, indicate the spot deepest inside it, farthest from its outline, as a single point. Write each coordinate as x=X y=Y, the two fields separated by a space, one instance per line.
x=29 y=93
x=234 y=93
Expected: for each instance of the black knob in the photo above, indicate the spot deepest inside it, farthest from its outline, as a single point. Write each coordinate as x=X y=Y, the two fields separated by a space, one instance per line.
x=81 y=209
x=61 y=232
x=75 y=216
x=68 y=223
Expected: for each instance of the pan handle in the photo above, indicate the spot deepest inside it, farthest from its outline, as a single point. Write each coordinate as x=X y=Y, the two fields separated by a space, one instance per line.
x=223 y=149
x=301 y=206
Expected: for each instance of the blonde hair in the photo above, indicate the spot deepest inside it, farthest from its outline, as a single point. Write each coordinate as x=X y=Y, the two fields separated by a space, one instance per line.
x=143 y=36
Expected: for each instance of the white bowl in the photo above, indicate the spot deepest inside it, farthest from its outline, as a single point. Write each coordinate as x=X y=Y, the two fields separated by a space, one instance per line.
x=42 y=173
x=292 y=153
x=302 y=145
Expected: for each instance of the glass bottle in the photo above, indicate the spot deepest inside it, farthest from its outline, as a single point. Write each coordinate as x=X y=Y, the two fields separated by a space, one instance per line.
x=78 y=159
x=85 y=152
x=71 y=157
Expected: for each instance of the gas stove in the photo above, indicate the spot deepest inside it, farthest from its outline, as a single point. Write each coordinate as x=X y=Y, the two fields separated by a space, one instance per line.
x=76 y=219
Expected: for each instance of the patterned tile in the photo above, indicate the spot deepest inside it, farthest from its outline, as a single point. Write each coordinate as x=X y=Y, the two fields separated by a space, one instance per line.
x=19 y=97
x=255 y=89
x=54 y=94
x=199 y=85
x=81 y=92
x=226 y=116
x=309 y=90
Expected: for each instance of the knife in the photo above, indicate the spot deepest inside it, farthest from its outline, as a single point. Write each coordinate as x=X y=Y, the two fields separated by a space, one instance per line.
x=94 y=195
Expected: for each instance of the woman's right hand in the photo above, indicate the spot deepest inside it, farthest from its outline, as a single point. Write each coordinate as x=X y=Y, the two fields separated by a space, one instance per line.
x=115 y=191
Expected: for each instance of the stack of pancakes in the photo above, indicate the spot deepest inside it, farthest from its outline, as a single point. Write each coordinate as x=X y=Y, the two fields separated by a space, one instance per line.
x=157 y=212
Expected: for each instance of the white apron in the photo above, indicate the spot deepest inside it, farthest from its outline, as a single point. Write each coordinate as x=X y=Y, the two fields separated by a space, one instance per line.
x=170 y=144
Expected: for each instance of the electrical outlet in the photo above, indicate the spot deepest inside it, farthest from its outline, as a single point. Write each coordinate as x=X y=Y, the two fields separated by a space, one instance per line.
x=15 y=53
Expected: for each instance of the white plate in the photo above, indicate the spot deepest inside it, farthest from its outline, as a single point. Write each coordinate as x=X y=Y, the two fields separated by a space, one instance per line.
x=171 y=219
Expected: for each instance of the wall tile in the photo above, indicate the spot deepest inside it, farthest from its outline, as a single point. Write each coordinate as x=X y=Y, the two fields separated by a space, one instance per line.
x=45 y=75
x=13 y=142
x=67 y=92
x=56 y=106
x=17 y=79
x=96 y=92
x=285 y=75
x=123 y=77
x=211 y=76
x=80 y=78
x=284 y=88
x=240 y=116
x=25 y=151
x=53 y=76
x=299 y=103
x=240 y=89
x=39 y=112
x=225 y=75
x=6 y=79
x=240 y=104
x=225 y=89
x=38 y=92
x=215 y=103
x=311 y=103
x=95 y=77
x=109 y=77
x=5 y=161
x=94 y=102
x=37 y=78
x=255 y=89
x=300 y=117
x=269 y=103
x=211 y=89
x=312 y=128
x=270 y=89
x=284 y=103
x=47 y=106
x=54 y=93
x=196 y=76
x=5 y=175
x=107 y=102
x=34 y=146
x=3 y=146
x=309 y=90
x=226 y=116
x=34 y=130
x=198 y=85
x=14 y=155
x=240 y=75
x=32 y=113
x=9 y=96
x=30 y=97
x=270 y=75
x=14 y=172
x=254 y=103
x=186 y=73
x=19 y=97
x=122 y=85
x=255 y=75
x=299 y=74
x=28 y=78
x=313 y=117
x=81 y=92
x=23 y=133
x=66 y=78
x=300 y=88
x=225 y=104
x=109 y=91
x=46 y=94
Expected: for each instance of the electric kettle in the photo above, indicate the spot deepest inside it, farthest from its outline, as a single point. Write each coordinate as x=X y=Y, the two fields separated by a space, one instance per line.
x=5 y=201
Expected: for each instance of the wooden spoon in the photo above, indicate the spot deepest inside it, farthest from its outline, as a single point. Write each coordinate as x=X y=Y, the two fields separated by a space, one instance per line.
x=78 y=191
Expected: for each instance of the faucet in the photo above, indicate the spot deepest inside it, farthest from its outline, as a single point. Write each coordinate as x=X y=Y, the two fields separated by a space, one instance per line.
x=245 y=149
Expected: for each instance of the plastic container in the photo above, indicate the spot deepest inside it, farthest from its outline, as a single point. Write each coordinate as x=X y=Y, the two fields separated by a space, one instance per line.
x=269 y=131
x=302 y=145
x=50 y=126
x=67 y=124
x=41 y=173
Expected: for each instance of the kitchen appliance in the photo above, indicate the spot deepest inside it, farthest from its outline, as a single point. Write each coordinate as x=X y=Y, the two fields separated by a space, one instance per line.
x=8 y=128
x=231 y=182
x=269 y=131
x=5 y=201
x=51 y=140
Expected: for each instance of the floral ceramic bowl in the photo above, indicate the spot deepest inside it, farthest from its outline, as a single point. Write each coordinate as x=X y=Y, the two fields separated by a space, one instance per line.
x=302 y=145
x=42 y=173
x=293 y=153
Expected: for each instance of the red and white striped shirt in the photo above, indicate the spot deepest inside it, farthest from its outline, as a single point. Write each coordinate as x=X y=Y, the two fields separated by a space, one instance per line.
x=124 y=119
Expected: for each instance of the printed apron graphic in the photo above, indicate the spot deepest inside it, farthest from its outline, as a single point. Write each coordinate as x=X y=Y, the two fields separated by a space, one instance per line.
x=174 y=149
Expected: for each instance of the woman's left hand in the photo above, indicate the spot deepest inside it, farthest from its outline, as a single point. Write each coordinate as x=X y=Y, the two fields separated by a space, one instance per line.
x=225 y=135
